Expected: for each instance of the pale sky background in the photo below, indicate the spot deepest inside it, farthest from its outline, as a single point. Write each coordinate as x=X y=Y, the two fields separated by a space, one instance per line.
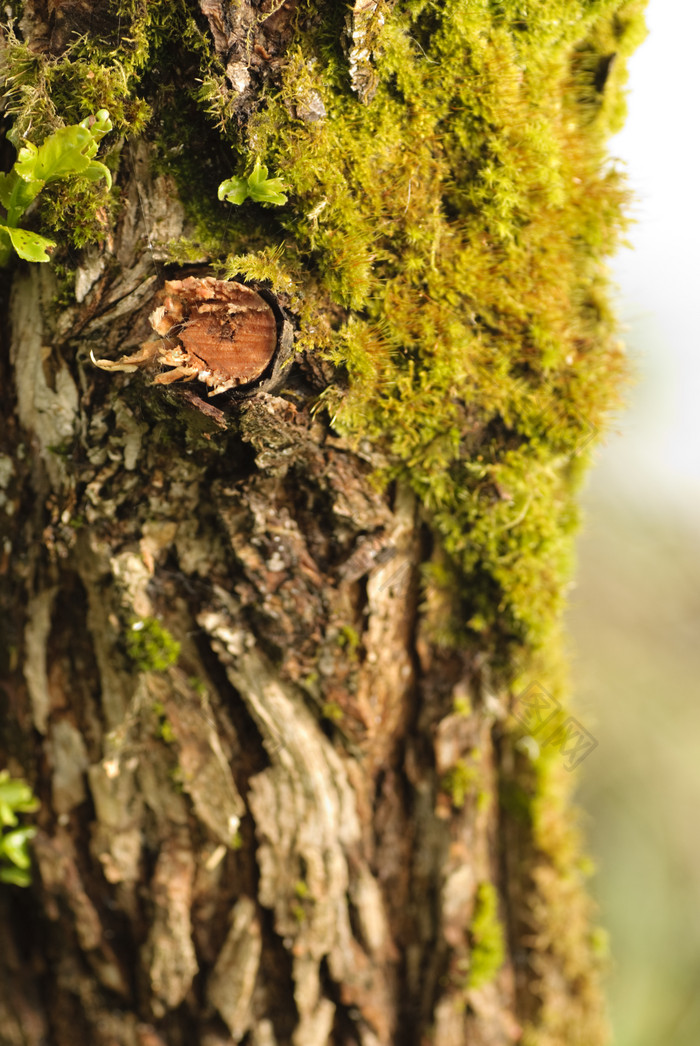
x=658 y=460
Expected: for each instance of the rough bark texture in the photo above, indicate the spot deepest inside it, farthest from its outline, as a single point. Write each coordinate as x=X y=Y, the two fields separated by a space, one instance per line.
x=308 y=828
x=254 y=860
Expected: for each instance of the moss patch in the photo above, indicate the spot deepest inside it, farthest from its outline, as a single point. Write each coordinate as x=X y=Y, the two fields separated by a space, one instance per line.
x=461 y=780
x=150 y=646
x=488 y=946
x=444 y=245
x=462 y=220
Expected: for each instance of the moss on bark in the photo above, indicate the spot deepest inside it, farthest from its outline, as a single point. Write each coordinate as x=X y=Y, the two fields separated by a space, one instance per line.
x=442 y=254
x=458 y=217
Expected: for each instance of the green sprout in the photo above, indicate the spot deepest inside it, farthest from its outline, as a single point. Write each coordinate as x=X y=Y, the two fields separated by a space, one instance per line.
x=15 y=797
x=68 y=151
x=257 y=186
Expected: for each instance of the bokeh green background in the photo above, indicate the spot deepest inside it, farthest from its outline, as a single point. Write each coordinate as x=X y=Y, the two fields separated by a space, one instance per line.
x=634 y=619
x=635 y=626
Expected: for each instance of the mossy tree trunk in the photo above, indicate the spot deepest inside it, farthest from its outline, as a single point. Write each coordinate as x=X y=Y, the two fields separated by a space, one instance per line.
x=261 y=648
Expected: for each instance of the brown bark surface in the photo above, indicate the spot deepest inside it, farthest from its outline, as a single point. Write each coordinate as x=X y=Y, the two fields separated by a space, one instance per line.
x=277 y=858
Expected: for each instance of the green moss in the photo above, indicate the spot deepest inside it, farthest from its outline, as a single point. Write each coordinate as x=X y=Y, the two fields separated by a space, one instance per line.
x=44 y=92
x=302 y=894
x=132 y=63
x=150 y=646
x=79 y=211
x=478 y=342
x=535 y=795
x=166 y=732
x=462 y=705
x=444 y=245
x=349 y=639
x=484 y=800
x=460 y=781
x=311 y=681
x=486 y=931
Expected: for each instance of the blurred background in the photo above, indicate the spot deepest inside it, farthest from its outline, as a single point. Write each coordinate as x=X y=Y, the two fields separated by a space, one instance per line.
x=634 y=618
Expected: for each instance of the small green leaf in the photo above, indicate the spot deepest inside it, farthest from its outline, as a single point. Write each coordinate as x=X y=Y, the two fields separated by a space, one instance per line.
x=60 y=155
x=16 y=793
x=267 y=194
x=257 y=187
x=233 y=190
x=7 y=817
x=67 y=151
x=19 y=193
x=99 y=125
x=259 y=175
x=264 y=189
x=96 y=170
x=6 y=186
x=16 y=876
x=27 y=159
x=29 y=245
x=13 y=846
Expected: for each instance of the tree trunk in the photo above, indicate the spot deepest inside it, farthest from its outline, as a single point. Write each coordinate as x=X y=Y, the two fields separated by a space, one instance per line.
x=261 y=649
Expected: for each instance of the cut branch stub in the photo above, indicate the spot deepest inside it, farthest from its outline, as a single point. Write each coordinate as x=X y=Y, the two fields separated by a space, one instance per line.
x=228 y=331
x=222 y=334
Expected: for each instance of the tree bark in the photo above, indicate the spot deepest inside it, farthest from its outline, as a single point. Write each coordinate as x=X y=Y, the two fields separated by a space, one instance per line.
x=311 y=822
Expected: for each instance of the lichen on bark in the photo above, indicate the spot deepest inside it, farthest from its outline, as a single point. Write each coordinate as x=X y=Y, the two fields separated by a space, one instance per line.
x=313 y=821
